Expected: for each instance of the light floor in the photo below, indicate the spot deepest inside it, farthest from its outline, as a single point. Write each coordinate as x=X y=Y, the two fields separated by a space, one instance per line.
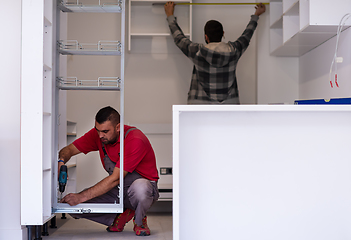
x=160 y=225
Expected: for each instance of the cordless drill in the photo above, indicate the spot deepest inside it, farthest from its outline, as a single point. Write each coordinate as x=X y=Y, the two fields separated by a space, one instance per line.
x=62 y=179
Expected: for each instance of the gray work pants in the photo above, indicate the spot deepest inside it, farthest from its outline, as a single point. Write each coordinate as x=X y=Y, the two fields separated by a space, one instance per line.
x=139 y=195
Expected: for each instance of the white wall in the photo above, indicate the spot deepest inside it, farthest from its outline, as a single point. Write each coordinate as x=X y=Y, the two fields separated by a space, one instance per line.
x=10 y=178
x=157 y=73
x=315 y=68
x=277 y=77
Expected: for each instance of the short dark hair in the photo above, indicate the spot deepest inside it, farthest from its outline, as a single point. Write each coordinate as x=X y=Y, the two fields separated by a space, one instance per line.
x=214 y=31
x=107 y=114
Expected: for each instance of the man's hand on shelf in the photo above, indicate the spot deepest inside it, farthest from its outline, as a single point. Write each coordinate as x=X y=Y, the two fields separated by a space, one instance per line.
x=169 y=8
x=260 y=8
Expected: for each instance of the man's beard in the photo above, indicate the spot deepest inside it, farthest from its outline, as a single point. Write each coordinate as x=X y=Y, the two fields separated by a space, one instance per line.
x=112 y=141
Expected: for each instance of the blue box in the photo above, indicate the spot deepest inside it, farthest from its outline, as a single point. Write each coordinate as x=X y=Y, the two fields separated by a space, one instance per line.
x=335 y=101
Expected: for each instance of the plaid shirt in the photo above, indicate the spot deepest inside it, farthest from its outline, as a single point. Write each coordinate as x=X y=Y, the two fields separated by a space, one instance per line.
x=213 y=78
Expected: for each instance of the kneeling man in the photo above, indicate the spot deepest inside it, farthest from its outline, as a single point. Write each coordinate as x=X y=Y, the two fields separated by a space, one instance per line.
x=140 y=172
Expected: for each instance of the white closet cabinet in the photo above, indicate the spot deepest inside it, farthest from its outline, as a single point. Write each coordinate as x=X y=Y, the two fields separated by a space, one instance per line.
x=100 y=48
x=298 y=26
x=40 y=114
x=37 y=113
x=284 y=172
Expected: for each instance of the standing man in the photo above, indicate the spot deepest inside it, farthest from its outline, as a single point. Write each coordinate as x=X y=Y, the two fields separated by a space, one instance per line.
x=213 y=80
x=140 y=172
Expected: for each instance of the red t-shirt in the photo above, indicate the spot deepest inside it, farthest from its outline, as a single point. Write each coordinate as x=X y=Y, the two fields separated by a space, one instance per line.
x=138 y=153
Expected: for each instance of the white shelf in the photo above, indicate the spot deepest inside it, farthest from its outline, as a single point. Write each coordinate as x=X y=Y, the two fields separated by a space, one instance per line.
x=102 y=83
x=297 y=26
x=293 y=10
x=165 y=199
x=154 y=34
x=154 y=2
x=90 y=88
x=103 y=8
x=288 y=4
x=148 y=20
x=165 y=186
x=71 y=136
x=165 y=196
x=291 y=26
x=71 y=131
x=276 y=13
x=90 y=52
x=278 y=23
x=73 y=47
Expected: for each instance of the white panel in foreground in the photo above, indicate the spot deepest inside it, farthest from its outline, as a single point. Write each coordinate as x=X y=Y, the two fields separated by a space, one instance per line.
x=262 y=172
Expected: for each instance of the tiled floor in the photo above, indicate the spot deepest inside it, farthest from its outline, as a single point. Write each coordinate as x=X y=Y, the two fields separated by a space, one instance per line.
x=160 y=225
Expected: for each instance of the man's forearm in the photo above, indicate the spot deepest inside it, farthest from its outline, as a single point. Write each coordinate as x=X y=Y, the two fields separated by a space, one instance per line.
x=98 y=189
x=67 y=152
x=242 y=43
x=183 y=43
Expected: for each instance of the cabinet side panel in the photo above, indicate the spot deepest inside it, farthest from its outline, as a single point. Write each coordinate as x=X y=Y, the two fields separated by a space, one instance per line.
x=325 y=12
x=275 y=12
x=10 y=178
x=287 y=4
x=268 y=171
x=32 y=113
x=304 y=14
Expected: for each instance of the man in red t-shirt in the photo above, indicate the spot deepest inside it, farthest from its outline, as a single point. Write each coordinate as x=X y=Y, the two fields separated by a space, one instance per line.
x=140 y=172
